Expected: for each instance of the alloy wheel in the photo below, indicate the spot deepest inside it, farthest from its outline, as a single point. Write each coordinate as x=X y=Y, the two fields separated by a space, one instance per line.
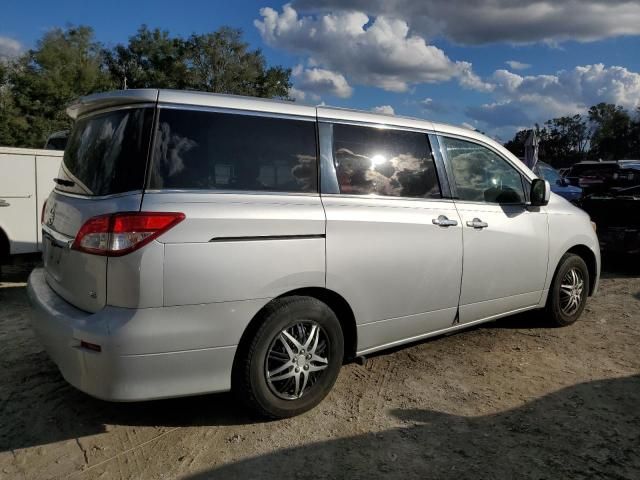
x=571 y=290
x=296 y=359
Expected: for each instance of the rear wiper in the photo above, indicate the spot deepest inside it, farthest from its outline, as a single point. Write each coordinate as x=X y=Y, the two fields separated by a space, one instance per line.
x=63 y=182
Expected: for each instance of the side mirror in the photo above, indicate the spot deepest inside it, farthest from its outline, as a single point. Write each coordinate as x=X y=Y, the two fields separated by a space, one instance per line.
x=540 y=193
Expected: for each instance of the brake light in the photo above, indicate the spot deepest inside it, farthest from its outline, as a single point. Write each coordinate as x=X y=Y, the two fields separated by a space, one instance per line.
x=121 y=233
x=44 y=207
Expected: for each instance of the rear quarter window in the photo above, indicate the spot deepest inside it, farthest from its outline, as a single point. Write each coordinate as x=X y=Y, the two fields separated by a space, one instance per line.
x=107 y=153
x=200 y=150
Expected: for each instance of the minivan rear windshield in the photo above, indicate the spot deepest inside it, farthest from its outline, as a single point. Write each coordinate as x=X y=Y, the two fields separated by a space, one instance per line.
x=107 y=153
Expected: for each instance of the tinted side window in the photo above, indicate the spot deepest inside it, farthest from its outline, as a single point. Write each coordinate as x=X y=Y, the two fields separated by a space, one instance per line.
x=218 y=151
x=481 y=175
x=384 y=162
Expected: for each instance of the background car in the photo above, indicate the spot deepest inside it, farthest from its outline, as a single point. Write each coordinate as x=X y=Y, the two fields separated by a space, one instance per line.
x=601 y=176
x=558 y=184
x=25 y=183
x=612 y=200
x=57 y=140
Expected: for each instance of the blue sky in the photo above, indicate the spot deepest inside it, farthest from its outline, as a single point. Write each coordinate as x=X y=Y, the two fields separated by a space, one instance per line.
x=437 y=59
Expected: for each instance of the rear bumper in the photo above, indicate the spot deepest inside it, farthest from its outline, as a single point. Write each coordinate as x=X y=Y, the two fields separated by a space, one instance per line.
x=145 y=353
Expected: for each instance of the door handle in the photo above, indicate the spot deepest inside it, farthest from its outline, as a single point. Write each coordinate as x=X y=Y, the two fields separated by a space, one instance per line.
x=4 y=203
x=443 y=221
x=477 y=223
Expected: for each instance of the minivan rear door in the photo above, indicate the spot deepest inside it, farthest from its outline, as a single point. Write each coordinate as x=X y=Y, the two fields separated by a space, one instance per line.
x=102 y=172
x=394 y=244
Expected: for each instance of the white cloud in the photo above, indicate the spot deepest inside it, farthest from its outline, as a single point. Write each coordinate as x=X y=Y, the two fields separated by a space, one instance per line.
x=432 y=106
x=516 y=65
x=381 y=52
x=523 y=100
x=512 y=21
x=297 y=95
x=319 y=81
x=470 y=80
x=580 y=87
x=506 y=80
x=383 y=43
x=500 y=114
x=9 y=48
x=386 y=109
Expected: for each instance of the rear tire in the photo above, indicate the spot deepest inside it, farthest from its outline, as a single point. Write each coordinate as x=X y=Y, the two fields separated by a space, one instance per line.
x=569 y=291
x=4 y=248
x=292 y=360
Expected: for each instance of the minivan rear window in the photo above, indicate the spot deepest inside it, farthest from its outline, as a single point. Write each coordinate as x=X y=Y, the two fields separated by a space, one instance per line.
x=107 y=153
x=203 y=150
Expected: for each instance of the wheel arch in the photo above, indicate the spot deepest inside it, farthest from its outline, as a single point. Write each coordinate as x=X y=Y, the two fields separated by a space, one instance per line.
x=589 y=258
x=333 y=300
x=5 y=246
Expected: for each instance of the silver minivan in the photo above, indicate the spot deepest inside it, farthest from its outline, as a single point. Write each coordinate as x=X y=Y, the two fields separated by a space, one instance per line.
x=202 y=243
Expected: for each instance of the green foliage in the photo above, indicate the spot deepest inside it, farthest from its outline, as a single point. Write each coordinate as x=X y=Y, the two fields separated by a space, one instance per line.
x=564 y=139
x=68 y=63
x=516 y=145
x=152 y=59
x=634 y=134
x=221 y=62
x=611 y=139
x=607 y=132
x=10 y=119
x=64 y=65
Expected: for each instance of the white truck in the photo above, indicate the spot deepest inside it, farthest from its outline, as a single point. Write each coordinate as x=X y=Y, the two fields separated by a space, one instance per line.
x=26 y=179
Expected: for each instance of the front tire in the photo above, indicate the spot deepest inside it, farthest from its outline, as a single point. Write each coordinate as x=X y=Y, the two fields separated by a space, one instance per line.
x=569 y=291
x=292 y=360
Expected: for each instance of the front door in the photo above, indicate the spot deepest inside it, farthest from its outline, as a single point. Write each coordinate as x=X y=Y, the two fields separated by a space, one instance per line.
x=505 y=243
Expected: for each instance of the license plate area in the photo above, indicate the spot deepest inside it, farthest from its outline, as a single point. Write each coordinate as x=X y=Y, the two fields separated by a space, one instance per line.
x=54 y=254
x=79 y=278
x=51 y=252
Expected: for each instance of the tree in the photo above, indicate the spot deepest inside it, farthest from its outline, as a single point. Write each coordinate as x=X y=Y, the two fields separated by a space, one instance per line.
x=634 y=134
x=516 y=145
x=66 y=64
x=152 y=59
x=563 y=141
x=212 y=62
x=611 y=137
x=221 y=62
x=10 y=120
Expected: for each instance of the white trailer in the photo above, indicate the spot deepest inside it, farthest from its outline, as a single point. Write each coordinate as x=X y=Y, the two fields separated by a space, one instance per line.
x=26 y=179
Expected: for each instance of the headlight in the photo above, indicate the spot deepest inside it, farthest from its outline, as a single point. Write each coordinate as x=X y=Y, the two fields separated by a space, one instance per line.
x=594 y=226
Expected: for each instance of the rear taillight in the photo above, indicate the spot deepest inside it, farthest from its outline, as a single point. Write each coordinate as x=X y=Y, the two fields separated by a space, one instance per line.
x=121 y=233
x=44 y=207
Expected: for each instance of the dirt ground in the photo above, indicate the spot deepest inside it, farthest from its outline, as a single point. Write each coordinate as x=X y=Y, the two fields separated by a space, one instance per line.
x=510 y=399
